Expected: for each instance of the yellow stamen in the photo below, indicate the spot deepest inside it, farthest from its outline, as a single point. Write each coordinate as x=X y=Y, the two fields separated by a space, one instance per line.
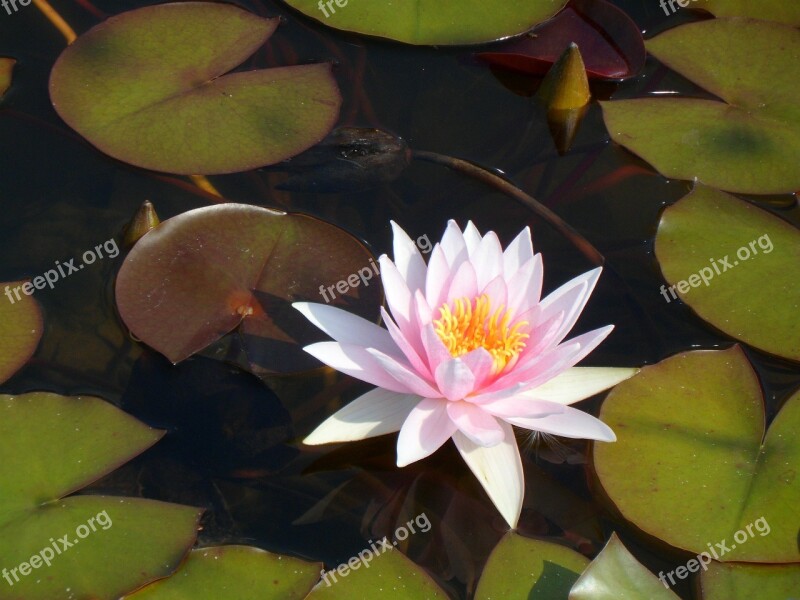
x=471 y=324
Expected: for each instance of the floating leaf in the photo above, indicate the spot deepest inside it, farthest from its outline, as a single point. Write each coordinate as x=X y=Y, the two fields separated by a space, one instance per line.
x=749 y=259
x=390 y=574
x=769 y=10
x=51 y=446
x=615 y=574
x=750 y=143
x=202 y=274
x=239 y=572
x=745 y=582
x=432 y=21
x=20 y=327
x=611 y=42
x=527 y=569
x=148 y=87
x=6 y=71
x=692 y=465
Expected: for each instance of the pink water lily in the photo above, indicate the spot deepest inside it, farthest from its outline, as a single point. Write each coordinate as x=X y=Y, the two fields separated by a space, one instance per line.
x=470 y=349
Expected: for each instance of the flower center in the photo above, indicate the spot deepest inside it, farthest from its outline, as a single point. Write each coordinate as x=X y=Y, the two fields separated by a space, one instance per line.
x=471 y=324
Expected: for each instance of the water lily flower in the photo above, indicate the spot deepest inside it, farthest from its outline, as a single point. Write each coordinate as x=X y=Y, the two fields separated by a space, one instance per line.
x=470 y=349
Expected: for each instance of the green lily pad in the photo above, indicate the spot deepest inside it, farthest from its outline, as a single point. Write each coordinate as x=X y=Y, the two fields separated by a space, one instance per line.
x=149 y=87
x=51 y=446
x=750 y=143
x=616 y=575
x=6 y=71
x=432 y=21
x=769 y=10
x=20 y=329
x=692 y=464
x=753 y=284
x=239 y=572
x=210 y=271
x=527 y=569
x=745 y=582
x=390 y=574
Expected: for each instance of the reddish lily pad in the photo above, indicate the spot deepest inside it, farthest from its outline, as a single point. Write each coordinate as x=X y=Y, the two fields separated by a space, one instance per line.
x=210 y=271
x=20 y=328
x=750 y=142
x=239 y=572
x=528 y=569
x=736 y=265
x=693 y=464
x=616 y=575
x=432 y=21
x=610 y=42
x=51 y=446
x=149 y=87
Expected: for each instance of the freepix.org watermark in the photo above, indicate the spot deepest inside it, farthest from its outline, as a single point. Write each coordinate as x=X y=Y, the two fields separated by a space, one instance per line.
x=327 y=5
x=57 y=547
x=366 y=274
x=704 y=558
x=681 y=4
x=62 y=271
x=706 y=274
x=365 y=556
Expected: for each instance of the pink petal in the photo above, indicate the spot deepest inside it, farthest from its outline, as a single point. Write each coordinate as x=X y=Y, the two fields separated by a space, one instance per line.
x=454 y=379
x=573 y=423
x=518 y=253
x=571 y=298
x=481 y=363
x=522 y=407
x=357 y=362
x=497 y=292
x=499 y=471
x=438 y=279
x=464 y=284
x=408 y=259
x=407 y=378
x=488 y=259
x=425 y=430
x=348 y=328
x=375 y=413
x=480 y=427
x=525 y=287
x=435 y=349
x=398 y=296
x=454 y=246
x=406 y=347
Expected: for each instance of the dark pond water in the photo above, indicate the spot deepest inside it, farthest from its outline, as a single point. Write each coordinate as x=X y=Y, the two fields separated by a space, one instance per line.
x=233 y=446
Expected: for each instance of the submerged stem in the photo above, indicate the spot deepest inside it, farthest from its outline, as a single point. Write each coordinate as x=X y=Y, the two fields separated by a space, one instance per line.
x=503 y=185
x=56 y=19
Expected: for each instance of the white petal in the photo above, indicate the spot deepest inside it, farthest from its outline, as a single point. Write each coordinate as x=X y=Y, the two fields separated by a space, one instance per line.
x=499 y=471
x=377 y=412
x=454 y=379
x=518 y=253
x=579 y=383
x=572 y=423
x=438 y=278
x=408 y=378
x=464 y=283
x=406 y=347
x=571 y=298
x=479 y=426
x=488 y=260
x=408 y=259
x=472 y=237
x=398 y=296
x=454 y=246
x=357 y=362
x=525 y=287
x=425 y=430
x=348 y=328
